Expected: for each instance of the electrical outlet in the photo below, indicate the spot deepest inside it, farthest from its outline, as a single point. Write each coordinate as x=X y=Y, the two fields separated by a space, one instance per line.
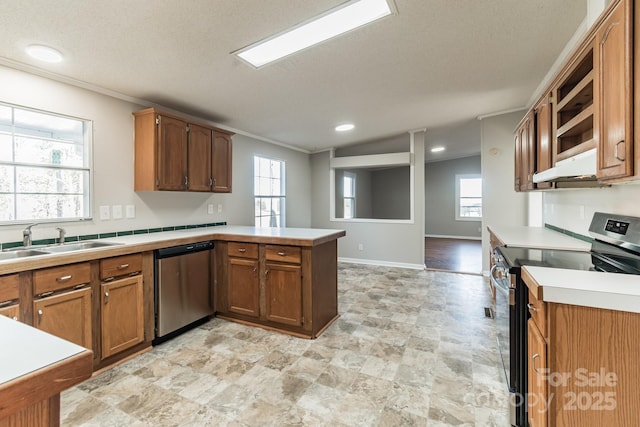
x=130 y=211
x=105 y=213
x=219 y=208
x=116 y=211
x=210 y=208
x=360 y=247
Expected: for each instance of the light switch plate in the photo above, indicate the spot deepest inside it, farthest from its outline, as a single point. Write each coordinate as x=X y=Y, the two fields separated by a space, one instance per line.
x=105 y=213
x=116 y=211
x=219 y=208
x=130 y=211
x=210 y=208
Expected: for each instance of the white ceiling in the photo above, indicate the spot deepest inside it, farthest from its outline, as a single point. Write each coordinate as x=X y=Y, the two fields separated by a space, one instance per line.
x=435 y=64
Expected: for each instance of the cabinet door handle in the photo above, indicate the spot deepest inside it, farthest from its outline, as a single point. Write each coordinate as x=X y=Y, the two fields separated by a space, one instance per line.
x=281 y=253
x=616 y=152
x=533 y=363
x=242 y=250
x=532 y=307
x=64 y=278
x=266 y=272
x=40 y=313
x=186 y=181
x=210 y=182
x=123 y=266
x=106 y=297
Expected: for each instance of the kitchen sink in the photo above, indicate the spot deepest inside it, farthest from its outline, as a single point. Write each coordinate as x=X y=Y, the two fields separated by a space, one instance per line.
x=20 y=253
x=77 y=246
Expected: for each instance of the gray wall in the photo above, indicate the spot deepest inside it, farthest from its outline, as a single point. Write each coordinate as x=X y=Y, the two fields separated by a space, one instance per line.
x=440 y=198
x=391 y=193
x=383 y=242
x=113 y=166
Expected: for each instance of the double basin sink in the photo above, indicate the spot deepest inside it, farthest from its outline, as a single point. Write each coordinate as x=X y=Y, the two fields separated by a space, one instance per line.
x=52 y=249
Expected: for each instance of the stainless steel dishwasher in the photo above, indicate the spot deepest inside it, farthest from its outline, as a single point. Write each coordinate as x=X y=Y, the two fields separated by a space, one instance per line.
x=182 y=288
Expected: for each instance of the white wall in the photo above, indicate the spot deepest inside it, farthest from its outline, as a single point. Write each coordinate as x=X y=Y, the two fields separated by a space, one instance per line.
x=113 y=166
x=501 y=204
x=383 y=243
x=573 y=209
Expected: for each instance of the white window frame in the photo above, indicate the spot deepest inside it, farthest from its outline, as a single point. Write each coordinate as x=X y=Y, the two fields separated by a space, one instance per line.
x=352 y=198
x=87 y=167
x=457 y=202
x=281 y=196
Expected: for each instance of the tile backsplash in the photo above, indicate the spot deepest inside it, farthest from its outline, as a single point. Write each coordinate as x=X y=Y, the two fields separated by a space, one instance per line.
x=10 y=245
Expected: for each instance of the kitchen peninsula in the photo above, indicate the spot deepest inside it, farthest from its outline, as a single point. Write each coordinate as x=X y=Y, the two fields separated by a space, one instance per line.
x=282 y=279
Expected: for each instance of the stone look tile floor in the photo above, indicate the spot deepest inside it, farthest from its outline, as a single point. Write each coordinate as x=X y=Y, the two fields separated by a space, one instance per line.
x=411 y=348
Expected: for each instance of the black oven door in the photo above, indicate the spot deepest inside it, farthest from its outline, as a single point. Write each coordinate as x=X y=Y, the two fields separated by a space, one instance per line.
x=506 y=326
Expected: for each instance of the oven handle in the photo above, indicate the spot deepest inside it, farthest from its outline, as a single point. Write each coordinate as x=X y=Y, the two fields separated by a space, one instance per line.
x=505 y=290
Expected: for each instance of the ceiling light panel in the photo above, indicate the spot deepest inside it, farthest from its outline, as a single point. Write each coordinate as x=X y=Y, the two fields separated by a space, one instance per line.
x=345 y=127
x=340 y=20
x=437 y=149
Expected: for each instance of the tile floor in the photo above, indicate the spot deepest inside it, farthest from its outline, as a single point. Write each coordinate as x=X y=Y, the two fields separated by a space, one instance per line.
x=410 y=348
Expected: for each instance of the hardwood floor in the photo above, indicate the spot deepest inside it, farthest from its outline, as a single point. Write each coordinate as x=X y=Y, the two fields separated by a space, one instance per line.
x=459 y=255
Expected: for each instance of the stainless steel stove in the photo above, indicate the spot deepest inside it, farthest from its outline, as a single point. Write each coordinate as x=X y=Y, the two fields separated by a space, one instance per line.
x=615 y=248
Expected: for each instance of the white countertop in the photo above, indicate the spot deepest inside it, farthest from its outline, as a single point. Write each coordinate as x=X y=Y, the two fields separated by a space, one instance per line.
x=611 y=291
x=26 y=349
x=235 y=230
x=306 y=237
x=538 y=238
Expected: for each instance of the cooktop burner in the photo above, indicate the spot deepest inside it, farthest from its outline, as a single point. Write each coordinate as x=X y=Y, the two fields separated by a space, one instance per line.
x=572 y=260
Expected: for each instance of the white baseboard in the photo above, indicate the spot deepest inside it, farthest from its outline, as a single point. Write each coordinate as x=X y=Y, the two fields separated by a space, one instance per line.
x=438 y=236
x=382 y=263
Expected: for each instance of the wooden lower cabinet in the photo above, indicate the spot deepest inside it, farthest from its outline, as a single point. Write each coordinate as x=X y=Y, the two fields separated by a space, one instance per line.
x=293 y=289
x=122 y=315
x=66 y=315
x=283 y=293
x=11 y=311
x=584 y=364
x=537 y=396
x=244 y=295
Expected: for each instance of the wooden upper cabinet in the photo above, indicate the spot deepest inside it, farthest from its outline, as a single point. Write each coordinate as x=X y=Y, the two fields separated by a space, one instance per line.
x=543 y=111
x=221 y=162
x=172 y=153
x=525 y=153
x=199 y=155
x=614 y=94
x=517 y=159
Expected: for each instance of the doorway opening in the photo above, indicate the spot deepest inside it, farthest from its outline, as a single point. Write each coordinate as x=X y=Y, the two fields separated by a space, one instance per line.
x=455 y=255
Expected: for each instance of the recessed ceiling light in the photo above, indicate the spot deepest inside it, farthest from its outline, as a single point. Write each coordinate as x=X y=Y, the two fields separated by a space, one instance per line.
x=44 y=53
x=437 y=149
x=345 y=127
x=334 y=22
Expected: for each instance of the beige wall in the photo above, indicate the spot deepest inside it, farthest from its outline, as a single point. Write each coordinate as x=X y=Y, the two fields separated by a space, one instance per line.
x=113 y=166
x=501 y=205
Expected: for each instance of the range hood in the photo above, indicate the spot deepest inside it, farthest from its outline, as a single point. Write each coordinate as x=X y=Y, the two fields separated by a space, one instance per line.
x=581 y=167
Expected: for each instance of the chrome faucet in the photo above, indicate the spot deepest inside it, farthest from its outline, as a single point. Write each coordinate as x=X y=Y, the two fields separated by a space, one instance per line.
x=61 y=234
x=26 y=235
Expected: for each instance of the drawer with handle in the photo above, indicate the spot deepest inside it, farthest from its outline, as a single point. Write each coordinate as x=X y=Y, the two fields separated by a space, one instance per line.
x=58 y=278
x=243 y=250
x=290 y=254
x=9 y=288
x=120 y=266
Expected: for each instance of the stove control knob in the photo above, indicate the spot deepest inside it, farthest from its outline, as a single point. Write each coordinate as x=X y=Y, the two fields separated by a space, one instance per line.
x=500 y=273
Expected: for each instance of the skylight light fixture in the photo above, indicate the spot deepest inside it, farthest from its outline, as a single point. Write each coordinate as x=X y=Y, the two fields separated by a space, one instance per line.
x=44 y=53
x=345 y=127
x=339 y=20
x=437 y=149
